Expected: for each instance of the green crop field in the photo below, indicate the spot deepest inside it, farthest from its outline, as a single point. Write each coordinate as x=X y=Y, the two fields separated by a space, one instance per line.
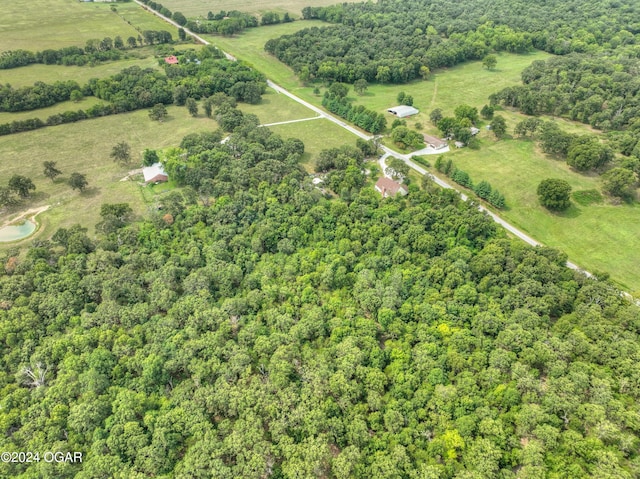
x=54 y=24
x=194 y=8
x=85 y=147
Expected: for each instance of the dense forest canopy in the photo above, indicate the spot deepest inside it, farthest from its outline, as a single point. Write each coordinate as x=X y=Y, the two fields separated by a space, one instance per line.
x=275 y=333
x=388 y=41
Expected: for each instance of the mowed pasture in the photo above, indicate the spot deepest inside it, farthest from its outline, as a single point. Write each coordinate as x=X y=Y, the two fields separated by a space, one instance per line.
x=28 y=75
x=317 y=135
x=85 y=147
x=43 y=24
x=600 y=236
x=249 y=47
x=195 y=8
x=468 y=83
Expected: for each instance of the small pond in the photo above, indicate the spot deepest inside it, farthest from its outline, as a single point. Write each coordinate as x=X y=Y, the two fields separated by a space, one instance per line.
x=16 y=232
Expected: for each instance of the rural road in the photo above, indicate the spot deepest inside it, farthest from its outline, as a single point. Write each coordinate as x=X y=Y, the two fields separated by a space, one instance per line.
x=387 y=151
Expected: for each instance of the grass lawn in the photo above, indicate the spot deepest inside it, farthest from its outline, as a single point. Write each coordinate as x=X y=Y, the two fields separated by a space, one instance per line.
x=447 y=88
x=85 y=147
x=249 y=46
x=43 y=24
x=194 y=8
x=275 y=107
x=317 y=135
x=26 y=76
x=597 y=236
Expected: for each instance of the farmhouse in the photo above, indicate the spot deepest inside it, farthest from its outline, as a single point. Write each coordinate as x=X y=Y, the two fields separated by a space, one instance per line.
x=171 y=60
x=154 y=174
x=387 y=187
x=433 y=142
x=403 y=111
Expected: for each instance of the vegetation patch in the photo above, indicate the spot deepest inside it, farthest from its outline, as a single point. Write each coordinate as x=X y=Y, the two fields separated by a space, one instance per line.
x=587 y=197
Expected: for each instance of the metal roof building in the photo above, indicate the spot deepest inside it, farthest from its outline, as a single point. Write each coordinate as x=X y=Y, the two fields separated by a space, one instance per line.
x=403 y=111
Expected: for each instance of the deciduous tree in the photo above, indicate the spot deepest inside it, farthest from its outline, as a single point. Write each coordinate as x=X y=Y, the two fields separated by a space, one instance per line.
x=554 y=194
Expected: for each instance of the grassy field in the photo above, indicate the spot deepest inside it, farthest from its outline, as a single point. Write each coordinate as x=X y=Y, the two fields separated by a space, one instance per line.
x=84 y=147
x=25 y=76
x=468 y=83
x=275 y=107
x=194 y=8
x=599 y=236
x=43 y=24
x=249 y=46
x=317 y=135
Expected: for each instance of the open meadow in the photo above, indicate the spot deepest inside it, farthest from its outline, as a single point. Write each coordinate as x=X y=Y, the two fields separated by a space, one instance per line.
x=60 y=23
x=317 y=135
x=596 y=234
x=28 y=75
x=84 y=147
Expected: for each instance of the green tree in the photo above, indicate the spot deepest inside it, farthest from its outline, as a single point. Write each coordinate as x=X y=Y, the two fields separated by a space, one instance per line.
x=182 y=35
x=489 y=62
x=158 y=112
x=192 y=107
x=586 y=153
x=498 y=126
x=121 y=153
x=397 y=169
x=50 y=170
x=114 y=216
x=76 y=96
x=179 y=18
x=131 y=42
x=149 y=157
x=466 y=111
x=338 y=89
x=425 y=72
x=21 y=185
x=487 y=112
x=6 y=197
x=360 y=86
x=435 y=116
x=619 y=182
x=78 y=181
x=554 y=194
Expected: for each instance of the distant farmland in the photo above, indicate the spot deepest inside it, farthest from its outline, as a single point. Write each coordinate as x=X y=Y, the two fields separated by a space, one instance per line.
x=194 y=8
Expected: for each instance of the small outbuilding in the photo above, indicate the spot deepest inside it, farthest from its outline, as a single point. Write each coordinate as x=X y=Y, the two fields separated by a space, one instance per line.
x=474 y=130
x=433 y=142
x=403 y=111
x=387 y=187
x=171 y=60
x=154 y=174
x=459 y=144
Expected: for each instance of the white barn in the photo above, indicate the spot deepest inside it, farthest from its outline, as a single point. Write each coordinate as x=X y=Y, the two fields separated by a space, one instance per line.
x=403 y=111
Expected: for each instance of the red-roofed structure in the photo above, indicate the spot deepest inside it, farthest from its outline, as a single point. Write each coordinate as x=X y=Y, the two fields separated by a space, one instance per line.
x=387 y=187
x=172 y=60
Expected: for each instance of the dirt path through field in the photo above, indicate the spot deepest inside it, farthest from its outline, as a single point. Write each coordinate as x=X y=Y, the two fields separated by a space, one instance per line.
x=32 y=211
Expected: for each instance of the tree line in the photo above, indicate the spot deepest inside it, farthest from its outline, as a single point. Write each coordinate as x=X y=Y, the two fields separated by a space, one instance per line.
x=389 y=42
x=135 y=88
x=94 y=51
